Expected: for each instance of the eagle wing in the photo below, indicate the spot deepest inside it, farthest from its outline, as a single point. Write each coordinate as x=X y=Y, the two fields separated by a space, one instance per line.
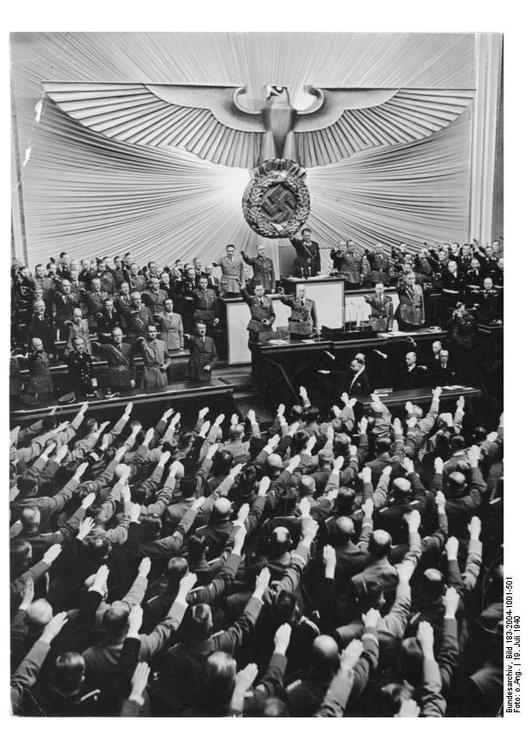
x=200 y=119
x=352 y=120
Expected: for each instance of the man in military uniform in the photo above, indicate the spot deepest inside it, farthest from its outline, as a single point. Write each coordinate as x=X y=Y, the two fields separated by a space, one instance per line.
x=263 y=270
x=452 y=285
x=122 y=300
x=138 y=319
x=40 y=378
x=78 y=327
x=108 y=282
x=303 y=318
x=94 y=300
x=41 y=327
x=354 y=266
x=308 y=260
x=380 y=265
x=156 y=360
x=80 y=369
x=262 y=315
x=64 y=303
x=137 y=281
x=119 y=356
x=410 y=311
x=381 y=315
x=154 y=296
x=488 y=303
x=473 y=280
x=232 y=273
x=205 y=305
x=47 y=284
x=107 y=320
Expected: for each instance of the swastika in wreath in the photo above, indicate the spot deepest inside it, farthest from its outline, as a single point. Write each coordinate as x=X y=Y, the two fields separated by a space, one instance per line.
x=276 y=202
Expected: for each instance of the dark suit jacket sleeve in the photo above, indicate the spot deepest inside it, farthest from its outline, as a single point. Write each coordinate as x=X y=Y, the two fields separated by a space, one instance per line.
x=272 y=680
x=352 y=683
x=127 y=665
x=229 y=640
x=297 y=244
x=212 y=592
x=27 y=673
x=449 y=653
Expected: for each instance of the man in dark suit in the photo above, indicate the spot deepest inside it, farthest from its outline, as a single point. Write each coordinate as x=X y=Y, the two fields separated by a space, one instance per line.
x=357 y=382
x=203 y=355
x=308 y=261
x=412 y=374
x=442 y=371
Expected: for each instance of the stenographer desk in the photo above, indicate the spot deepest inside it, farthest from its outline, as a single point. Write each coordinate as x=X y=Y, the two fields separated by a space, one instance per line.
x=285 y=365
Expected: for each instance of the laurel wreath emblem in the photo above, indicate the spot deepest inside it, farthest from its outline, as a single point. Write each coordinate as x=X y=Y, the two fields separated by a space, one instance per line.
x=288 y=174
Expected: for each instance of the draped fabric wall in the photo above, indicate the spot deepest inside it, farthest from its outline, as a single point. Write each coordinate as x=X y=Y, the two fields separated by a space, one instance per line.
x=89 y=194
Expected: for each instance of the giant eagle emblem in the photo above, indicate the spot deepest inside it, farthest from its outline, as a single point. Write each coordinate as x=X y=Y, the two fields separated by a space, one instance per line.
x=274 y=140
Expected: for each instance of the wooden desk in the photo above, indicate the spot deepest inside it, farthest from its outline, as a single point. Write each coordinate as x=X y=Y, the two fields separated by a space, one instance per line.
x=284 y=367
x=183 y=397
x=424 y=396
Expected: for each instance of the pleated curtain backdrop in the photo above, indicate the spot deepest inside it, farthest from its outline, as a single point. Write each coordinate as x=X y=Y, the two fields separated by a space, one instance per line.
x=89 y=194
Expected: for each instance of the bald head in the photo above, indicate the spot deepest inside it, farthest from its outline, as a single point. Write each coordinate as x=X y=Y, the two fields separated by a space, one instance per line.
x=39 y=613
x=325 y=653
x=341 y=531
x=345 y=525
x=31 y=519
x=281 y=534
x=307 y=485
x=222 y=508
x=456 y=483
x=401 y=486
x=280 y=541
x=274 y=461
x=380 y=543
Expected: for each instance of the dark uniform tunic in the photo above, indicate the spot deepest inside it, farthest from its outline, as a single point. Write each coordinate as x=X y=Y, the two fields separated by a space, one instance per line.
x=303 y=316
x=263 y=271
x=308 y=260
x=81 y=372
x=411 y=305
x=40 y=380
x=121 y=364
x=262 y=316
x=381 y=315
x=205 y=305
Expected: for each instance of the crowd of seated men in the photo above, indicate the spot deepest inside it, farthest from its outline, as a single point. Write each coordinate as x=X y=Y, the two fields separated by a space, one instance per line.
x=332 y=564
